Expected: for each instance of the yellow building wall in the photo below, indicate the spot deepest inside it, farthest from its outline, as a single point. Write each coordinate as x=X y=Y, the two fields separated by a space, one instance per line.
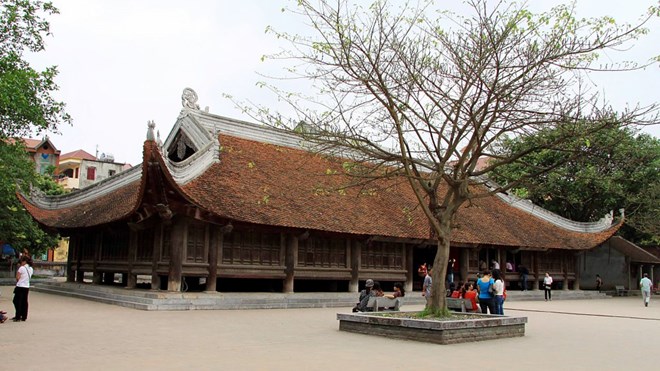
x=61 y=253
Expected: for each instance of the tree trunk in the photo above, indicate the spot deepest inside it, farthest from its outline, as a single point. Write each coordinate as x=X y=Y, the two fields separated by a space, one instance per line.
x=439 y=273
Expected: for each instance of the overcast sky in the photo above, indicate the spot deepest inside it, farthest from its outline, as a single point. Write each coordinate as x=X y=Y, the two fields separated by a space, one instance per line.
x=125 y=62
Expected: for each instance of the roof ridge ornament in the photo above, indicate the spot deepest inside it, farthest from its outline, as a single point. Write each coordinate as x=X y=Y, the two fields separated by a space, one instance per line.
x=150 y=131
x=189 y=99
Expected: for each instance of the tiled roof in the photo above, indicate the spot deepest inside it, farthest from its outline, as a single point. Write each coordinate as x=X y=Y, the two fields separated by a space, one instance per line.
x=31 y=143
x=271 y=185
x=107 y=208
x=634 y=252
x=266 y=184
x=80 y=154
x=119 y=204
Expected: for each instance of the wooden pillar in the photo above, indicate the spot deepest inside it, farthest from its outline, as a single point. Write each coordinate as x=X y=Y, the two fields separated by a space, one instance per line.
x=98 y=242
x=156 y=254
x=410 y=268
x=131 y=279
x=356 y=262
x=564 y=268
x=212 y=279
x=535 y=266
x=71 y=257
x=578 y=269
x=216 y=238
x=177 y=250
x=651 y=274
x=290 y=262
x=464 y=263
x=80 y=275
x=628 y=267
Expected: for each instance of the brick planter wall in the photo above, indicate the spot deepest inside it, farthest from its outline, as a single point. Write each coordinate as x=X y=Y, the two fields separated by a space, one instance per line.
x=474 y=328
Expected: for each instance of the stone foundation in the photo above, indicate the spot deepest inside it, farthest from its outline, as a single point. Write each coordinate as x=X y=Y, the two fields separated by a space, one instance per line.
x=476 y=327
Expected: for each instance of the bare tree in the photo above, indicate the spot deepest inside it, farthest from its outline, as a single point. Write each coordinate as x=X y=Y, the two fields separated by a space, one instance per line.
x=423 y=95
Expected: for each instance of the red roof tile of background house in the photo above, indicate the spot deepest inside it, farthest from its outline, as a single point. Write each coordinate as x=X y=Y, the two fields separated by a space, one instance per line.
x=31 y=143
x=78 y=154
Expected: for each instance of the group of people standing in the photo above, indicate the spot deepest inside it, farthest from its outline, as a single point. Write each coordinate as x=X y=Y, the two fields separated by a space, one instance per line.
x=489 y=289
x=21 y=291
x=491 y=292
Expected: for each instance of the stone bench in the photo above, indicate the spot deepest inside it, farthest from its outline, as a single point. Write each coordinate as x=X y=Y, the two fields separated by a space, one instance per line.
x=379 y=303
x=621 y=290
x=459 y=305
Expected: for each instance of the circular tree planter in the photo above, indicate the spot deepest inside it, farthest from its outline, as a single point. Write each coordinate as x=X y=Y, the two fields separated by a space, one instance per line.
x=460 y=328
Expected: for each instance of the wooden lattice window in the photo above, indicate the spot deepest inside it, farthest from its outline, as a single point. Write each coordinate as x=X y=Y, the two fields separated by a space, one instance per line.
x=383 y=255
x=87 y=246
x=196 y=243
x=322 y=252
x=252 y=248
x=167 y=243
x=145 y=245
x=115 y=244
x=550 y=262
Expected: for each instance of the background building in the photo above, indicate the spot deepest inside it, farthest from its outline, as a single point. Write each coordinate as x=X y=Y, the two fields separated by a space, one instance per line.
x=79 y=169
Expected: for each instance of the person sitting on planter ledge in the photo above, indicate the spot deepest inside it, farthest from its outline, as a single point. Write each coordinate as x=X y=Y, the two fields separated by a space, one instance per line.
x=364 y=296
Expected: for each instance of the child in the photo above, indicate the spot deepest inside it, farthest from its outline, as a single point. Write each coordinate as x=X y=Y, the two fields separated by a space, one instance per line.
x=399 y=291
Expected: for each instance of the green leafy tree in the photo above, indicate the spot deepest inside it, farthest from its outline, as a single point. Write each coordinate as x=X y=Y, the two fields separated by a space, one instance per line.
x=27 y=107
x=622 y=170
x=26 y=103
x=423 y=94
x=17 y=226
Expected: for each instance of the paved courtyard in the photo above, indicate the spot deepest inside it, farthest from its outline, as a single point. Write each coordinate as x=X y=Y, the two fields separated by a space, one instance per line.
x=72 y=334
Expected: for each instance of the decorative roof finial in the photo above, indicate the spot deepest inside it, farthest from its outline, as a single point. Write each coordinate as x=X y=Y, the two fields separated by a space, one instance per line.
x=189 y=99
x=158 y=141
x=150 y=132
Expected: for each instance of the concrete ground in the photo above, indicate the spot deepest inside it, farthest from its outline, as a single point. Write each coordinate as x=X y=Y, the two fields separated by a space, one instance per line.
x=64 y=333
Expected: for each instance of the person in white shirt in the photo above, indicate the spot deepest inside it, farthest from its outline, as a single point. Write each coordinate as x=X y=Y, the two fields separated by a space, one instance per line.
x=22 y=289
x=547 y=286
x=498 y=288
x=645 y=284
x=495 y=264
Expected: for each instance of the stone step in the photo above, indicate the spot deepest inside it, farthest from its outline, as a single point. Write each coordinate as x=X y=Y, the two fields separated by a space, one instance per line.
x=164 y=300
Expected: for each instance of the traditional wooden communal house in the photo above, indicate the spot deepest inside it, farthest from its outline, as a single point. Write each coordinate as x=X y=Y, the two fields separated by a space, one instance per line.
x=228 y=205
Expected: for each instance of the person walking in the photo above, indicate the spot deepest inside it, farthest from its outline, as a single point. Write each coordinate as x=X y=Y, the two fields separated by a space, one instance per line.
x=599 y=282
x=645 y=284
x=547 y=286
x=22 y=289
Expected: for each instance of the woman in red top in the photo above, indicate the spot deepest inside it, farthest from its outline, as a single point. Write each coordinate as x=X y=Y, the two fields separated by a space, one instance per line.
x=469 y=293
x=458 y=292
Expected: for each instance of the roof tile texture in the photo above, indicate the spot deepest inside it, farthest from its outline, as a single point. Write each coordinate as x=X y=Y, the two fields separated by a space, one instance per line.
x=265 y=184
